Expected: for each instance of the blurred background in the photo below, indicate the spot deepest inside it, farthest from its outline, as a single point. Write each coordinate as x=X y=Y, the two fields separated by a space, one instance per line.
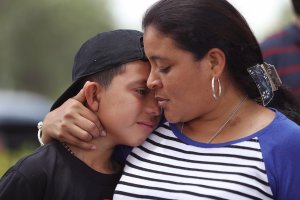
x=39 y=38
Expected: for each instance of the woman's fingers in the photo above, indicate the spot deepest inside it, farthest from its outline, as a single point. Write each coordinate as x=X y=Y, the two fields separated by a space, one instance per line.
x=73 y=140
x=91 y=122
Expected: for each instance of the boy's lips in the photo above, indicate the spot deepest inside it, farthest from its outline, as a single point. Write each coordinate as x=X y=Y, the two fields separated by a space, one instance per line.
x=147 y=124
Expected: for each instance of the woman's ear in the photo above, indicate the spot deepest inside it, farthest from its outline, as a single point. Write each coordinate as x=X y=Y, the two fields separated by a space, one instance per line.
x=92 y=94
x=217 y=60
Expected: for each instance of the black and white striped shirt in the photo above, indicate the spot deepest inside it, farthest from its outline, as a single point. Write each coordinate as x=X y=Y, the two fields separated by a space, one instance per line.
x=171 y=166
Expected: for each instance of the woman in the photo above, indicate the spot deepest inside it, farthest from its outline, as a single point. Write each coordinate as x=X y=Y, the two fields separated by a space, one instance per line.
x=220 y=140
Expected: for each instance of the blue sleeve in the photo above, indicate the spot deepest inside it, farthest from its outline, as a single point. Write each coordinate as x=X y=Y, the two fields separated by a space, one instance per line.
x=281 y=154
x=121 y=152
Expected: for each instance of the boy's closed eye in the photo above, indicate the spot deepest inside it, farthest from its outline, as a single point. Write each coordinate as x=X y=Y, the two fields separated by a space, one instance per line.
x=142 y=91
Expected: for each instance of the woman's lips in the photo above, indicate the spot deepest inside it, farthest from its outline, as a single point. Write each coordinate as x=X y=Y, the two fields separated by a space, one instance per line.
x=161 y=101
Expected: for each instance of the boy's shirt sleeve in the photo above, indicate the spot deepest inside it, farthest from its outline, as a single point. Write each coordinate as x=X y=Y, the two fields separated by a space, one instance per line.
x=13 y=185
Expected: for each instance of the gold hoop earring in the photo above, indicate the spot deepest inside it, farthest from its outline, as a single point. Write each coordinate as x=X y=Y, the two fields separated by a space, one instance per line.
x=213 y=88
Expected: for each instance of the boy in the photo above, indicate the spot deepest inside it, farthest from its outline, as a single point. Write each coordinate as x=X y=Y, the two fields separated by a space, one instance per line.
x=113 y=70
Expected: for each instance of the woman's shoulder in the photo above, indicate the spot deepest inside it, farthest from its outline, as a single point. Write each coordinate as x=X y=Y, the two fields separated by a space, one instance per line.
x=282 y=133
x=283 y=123
x=280 y=147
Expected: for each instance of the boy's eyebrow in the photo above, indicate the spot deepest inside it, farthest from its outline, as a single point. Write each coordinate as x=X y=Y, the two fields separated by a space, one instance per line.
x=139 y=81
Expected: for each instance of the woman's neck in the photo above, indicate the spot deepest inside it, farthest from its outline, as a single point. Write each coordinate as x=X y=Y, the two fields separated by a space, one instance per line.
x=228 y=118
x=240 y=125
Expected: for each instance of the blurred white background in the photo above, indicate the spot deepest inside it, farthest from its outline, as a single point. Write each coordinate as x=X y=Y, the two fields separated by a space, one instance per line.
x=263 y=16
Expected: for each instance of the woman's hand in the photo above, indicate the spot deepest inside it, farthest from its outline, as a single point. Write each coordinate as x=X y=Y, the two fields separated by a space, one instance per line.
x=72 y=123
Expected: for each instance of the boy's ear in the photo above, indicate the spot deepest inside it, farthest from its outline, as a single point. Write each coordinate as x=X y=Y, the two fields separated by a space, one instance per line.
x=92 y=94
x=217 y=61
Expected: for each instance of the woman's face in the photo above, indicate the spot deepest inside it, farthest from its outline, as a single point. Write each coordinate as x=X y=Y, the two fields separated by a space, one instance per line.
x=182 y=84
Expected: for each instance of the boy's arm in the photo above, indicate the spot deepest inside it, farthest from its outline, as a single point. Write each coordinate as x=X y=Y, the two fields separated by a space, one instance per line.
x=72 y=123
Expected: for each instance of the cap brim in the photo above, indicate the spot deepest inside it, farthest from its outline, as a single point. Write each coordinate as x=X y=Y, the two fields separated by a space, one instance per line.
x=70 y=92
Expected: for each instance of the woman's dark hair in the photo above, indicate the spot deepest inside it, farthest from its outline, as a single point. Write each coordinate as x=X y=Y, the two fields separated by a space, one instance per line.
x=199 y=25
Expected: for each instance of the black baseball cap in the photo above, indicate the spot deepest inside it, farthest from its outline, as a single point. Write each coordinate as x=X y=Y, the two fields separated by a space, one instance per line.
x=103 y=51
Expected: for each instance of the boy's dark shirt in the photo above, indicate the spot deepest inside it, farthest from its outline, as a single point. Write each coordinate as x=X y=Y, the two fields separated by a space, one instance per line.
x=51 y=172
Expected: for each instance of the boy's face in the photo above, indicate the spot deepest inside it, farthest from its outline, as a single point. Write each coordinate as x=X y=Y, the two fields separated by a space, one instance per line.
x=128 y=109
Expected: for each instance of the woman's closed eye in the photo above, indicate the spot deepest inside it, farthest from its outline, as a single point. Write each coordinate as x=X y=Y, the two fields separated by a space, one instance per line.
x=164 y=69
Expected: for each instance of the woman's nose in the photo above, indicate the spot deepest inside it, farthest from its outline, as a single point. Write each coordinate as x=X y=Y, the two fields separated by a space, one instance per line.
x=153 y=82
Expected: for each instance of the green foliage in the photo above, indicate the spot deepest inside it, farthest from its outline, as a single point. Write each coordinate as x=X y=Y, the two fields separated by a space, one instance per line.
x=39 y=39
x=9 y=157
